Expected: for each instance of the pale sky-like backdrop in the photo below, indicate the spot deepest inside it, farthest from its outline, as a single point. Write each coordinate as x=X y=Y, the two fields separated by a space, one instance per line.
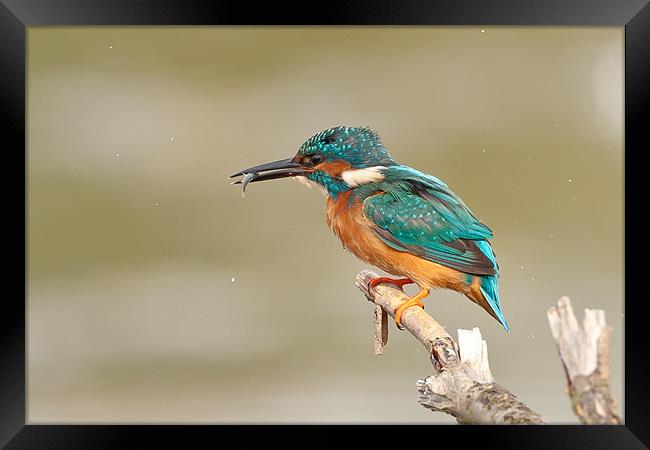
x=156 y=293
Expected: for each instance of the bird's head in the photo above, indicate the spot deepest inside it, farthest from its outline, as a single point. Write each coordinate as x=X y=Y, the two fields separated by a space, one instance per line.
x=338 y=159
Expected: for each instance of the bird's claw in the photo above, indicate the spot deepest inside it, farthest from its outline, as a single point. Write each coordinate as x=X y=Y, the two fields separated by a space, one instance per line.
x=413 y=301
x=370 y=292
x=399 y=282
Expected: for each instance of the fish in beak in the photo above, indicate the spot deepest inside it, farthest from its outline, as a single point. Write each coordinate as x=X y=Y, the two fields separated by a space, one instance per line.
x=277 y=169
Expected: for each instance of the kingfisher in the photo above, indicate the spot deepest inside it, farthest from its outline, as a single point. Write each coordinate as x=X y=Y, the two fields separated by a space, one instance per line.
x=403 y=221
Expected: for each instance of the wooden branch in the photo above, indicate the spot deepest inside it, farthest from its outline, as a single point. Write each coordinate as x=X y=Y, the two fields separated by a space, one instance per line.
x=584 y=352
x=462 y=385
x=381 y=329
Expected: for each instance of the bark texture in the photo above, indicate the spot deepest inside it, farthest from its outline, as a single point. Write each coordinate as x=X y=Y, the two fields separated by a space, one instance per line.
x=381 y=329
x=462 y=384
x=584 y=351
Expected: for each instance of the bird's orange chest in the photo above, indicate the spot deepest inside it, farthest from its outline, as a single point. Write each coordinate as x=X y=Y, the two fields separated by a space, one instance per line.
x=345 y=219
x=348 y=222
x=355 y=231
x=338 y=215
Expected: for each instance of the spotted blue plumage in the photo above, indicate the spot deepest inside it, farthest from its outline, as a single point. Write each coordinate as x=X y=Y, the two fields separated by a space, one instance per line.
x=359 y=146
x=417 y=213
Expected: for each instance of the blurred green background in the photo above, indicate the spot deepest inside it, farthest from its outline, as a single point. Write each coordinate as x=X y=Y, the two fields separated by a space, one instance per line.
x=156 y=293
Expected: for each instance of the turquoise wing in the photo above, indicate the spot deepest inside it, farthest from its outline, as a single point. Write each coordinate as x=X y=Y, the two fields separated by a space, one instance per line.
x=418 y=214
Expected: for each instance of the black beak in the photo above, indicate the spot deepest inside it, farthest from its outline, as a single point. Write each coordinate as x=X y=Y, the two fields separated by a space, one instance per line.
x=277 y=169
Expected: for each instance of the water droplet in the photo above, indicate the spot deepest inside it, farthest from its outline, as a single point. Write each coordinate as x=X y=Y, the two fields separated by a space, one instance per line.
x=117 y=155
x=521 y=267
x=110 y=46
x=533 y=336
x=171 y=139
x=232 y=280
x=157 y=204
x=482 y=30
x=483 y=150
x=570 y=180
x=555 y=125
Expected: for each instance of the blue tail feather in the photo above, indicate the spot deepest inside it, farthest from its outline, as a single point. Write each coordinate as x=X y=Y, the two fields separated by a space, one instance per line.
x=490 y=284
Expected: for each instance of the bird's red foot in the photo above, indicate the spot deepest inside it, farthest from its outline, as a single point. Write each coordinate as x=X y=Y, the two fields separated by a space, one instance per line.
x=399 y=282
x=413 y=301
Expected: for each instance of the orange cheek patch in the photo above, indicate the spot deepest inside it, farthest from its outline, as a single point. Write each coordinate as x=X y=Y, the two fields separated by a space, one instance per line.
x=334 y=168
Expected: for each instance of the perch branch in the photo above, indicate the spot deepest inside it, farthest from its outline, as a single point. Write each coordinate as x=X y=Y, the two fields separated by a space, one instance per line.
x=584 y=351
x=381 y=329
x=462 y=385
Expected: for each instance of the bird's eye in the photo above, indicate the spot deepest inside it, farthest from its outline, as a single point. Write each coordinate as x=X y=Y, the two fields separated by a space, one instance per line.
x=315 y=159
x=330 y=139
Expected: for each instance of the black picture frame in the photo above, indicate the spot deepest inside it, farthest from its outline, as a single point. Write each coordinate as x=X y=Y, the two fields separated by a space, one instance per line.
x=17 y=15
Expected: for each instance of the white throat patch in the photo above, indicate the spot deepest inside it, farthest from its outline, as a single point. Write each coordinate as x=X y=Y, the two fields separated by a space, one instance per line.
x=357 y=177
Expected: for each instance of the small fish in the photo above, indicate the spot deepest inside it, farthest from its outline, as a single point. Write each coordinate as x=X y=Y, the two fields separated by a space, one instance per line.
x=248 y=177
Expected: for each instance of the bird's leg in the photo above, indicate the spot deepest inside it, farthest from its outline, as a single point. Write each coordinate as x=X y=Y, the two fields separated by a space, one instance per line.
x=413 y=301
x=399 y=282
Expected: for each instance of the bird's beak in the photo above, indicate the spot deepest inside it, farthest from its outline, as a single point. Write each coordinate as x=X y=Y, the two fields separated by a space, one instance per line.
x=277 y=169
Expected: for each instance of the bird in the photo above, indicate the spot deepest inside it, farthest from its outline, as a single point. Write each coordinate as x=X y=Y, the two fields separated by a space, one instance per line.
x=407 y=223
